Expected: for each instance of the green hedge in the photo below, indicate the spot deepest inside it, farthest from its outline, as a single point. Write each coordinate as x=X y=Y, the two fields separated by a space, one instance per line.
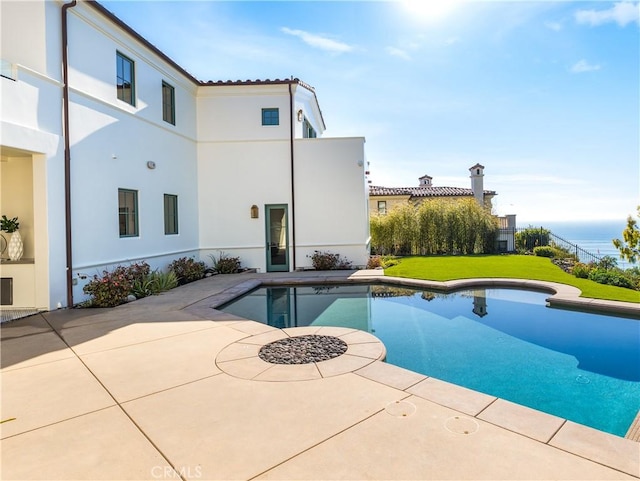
x=435 y=227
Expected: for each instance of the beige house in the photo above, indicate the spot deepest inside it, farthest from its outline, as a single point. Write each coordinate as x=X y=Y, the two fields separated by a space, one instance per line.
x=384 y=199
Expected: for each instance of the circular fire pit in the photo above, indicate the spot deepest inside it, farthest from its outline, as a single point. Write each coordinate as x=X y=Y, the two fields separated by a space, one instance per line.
x=303 y=349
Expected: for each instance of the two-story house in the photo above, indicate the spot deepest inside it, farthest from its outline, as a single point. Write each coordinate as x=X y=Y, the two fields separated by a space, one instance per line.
x=113 y=153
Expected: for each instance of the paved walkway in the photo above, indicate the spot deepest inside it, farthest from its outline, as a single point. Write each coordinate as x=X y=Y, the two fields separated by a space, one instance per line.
x=168 y=388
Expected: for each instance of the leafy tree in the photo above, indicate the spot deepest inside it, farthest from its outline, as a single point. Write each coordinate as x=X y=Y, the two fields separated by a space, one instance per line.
x=629 y=247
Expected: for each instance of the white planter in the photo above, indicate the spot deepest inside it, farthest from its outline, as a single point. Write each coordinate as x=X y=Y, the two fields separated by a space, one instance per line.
x=15 y=249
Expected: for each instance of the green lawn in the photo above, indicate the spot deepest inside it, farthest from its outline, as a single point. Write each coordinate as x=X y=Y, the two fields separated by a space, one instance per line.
x=447 y=268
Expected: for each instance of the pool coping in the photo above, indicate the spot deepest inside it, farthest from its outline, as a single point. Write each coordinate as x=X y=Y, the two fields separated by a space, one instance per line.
x=562 y=296
x=154 y=321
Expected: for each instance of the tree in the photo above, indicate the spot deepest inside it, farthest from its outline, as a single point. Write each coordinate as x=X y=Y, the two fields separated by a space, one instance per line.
x=629 y=247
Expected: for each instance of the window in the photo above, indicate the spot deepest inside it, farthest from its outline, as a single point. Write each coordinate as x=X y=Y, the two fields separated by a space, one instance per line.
x=168 y=103
x=308 y=132
x=270 y=117
x=170 y=214
x=128 y=212
x=125 y=79
x=382 y=207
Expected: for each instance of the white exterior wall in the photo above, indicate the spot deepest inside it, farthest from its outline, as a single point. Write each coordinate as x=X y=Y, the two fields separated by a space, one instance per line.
x=103 y=127
x=331 y=199
x=218 y=158
x=31 y=142
x=242 y=163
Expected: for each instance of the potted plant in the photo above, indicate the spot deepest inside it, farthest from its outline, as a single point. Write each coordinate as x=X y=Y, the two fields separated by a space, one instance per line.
x=15 y=248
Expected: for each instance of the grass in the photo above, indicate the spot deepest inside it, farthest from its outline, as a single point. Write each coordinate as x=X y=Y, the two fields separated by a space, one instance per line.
x=447 y=268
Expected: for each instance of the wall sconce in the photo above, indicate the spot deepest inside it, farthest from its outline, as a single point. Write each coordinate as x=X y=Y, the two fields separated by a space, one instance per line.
x=151 y=165
x=254 y=211
x=300 y=115
x=360 y=163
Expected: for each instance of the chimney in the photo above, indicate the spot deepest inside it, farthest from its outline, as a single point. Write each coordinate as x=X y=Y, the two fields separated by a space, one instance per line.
x=477 y=183
x=425 y=181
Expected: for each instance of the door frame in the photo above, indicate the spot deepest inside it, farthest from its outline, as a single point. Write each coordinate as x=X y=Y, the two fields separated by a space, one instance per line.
x=268 y=244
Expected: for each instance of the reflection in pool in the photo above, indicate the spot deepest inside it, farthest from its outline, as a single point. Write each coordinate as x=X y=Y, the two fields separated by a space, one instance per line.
x=504 y=342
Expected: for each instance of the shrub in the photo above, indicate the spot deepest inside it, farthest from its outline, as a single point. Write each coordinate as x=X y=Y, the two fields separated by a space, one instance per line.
x=163 y=281
x=544 y=251
x=434 y=227
x=607 y=262
x=581 y=270
x=109 y=290
x=531 y=237
x=142 y=287
x=326 y=261
x=225 y=264
x=187 y=270
x=138 y=272
x=612 y=277
x=381 y=261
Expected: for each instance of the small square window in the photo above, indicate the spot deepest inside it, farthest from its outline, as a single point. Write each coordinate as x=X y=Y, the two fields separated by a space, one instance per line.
x=125 y=79
x=128 y=212
x=270 y=117
x=170 y=214
x=168 y=103
x=382 y=207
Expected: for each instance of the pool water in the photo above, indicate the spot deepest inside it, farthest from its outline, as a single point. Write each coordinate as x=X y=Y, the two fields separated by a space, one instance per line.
x=504 y=342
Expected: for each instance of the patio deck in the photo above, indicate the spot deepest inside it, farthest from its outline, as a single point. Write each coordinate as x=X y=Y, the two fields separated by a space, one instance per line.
x=168 y=388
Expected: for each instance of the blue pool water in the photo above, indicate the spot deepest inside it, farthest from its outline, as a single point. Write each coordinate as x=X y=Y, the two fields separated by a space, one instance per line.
x=504 y=342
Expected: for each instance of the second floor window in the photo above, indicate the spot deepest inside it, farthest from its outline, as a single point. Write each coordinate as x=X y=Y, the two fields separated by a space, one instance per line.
x=125 y=79
x=308 y=132
x=168 y=103
x=270 y=117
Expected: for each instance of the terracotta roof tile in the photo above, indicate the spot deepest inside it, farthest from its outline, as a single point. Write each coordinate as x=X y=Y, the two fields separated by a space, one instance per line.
x=424 y=191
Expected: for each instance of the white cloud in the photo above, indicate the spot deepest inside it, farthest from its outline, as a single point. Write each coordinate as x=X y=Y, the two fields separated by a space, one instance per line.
x=555 y=26
x=584 y=66
x=621 y=13
x=318 y=41
x=397 y=52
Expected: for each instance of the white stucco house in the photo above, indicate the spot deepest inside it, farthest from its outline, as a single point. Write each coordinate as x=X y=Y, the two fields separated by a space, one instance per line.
x=113 y=153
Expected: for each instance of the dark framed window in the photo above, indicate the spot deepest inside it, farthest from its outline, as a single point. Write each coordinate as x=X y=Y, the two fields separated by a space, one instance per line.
x=168 y=103
x=308 y=132
x=125 y=79
x=128 y=212
x=170 y=214
x=270 y=116
x=382 y=207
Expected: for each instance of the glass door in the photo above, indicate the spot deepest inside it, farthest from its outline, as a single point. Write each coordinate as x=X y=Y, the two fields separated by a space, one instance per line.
x=277 y=234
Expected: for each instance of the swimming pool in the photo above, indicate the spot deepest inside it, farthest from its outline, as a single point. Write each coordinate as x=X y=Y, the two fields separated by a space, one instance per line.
x=504 y=342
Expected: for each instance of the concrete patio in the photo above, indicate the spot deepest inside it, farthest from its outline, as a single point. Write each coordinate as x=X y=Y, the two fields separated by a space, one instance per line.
x=168 y=388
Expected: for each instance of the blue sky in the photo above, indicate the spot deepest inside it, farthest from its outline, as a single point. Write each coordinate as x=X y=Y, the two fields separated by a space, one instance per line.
x=544 y=94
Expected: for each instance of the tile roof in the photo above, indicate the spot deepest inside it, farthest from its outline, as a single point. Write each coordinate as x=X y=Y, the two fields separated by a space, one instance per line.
x=424 y=191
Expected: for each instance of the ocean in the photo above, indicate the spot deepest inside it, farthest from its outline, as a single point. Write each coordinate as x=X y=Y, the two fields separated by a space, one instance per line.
x=592 y=236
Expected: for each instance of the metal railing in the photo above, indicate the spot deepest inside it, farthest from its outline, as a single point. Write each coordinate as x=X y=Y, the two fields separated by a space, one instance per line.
x=546 y=237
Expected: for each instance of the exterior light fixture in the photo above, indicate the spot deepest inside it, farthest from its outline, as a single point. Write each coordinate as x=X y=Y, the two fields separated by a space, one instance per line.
x=300 y=115
x=254 y=212
x=151 y=165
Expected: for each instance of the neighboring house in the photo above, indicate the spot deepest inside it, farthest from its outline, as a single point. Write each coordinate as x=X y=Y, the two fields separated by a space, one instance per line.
x=121 y=156
x=384 y=199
